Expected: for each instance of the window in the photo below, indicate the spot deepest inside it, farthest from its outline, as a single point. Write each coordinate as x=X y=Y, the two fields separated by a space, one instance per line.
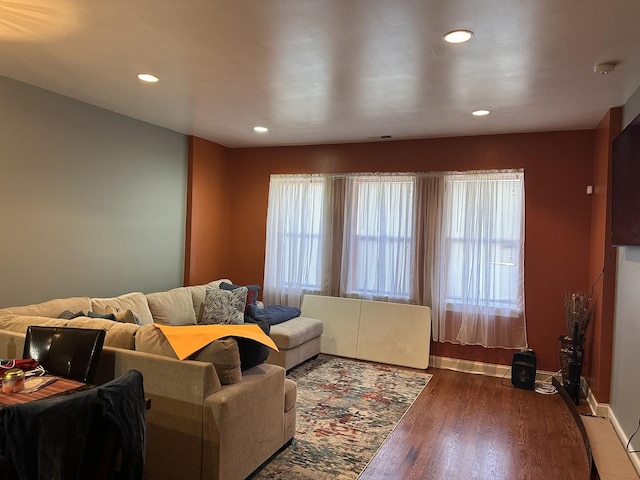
x=294 y=246
x=483 y=240
x=379 y=237
x=452 y=241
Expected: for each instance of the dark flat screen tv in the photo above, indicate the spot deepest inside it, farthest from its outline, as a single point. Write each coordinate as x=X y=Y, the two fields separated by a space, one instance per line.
x=625 y=186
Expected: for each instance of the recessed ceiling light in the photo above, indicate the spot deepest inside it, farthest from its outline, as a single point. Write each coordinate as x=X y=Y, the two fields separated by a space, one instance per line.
x=260 y=129
x=458 y=36
x=480 y=113
x=148 y=77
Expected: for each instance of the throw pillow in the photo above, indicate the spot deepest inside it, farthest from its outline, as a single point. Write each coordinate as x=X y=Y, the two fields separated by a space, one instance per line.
x=224 y=356
x=123 y=316
x=135 y=301
x=224 y=306
x=253 y=353
x=222 y=353
x=173 y=307
x=252 y=291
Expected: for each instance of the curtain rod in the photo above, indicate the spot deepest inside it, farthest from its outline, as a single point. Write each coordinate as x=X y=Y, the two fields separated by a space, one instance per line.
x=398 y=174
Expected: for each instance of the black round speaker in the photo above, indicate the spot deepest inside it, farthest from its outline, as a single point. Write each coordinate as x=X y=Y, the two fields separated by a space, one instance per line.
x=523 y=369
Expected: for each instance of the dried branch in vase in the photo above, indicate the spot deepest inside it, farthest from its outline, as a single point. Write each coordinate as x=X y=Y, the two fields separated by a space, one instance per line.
x=577 y=310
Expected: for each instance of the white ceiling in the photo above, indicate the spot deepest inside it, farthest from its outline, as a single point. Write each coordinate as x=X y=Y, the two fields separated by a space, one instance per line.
x=330 y=71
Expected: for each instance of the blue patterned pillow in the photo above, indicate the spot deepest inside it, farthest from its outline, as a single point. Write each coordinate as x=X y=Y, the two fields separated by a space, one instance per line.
x=224 y=306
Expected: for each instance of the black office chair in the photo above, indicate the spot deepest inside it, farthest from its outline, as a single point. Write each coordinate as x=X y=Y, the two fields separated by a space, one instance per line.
x=95 y=434
x=66 y=352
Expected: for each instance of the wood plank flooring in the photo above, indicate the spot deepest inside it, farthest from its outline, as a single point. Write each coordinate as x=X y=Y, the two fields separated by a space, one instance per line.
x=465 y=426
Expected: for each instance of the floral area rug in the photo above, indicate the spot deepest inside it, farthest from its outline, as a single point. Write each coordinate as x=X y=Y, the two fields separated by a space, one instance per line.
x=346 y=409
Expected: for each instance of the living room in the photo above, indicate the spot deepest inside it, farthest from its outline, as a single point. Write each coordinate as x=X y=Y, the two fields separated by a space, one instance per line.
x=96 y=203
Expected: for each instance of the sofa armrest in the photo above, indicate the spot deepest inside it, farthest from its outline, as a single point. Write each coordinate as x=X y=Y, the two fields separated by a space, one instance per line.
x=177 y=390
x=244 y=423
x=181 y=380
x=11 y=344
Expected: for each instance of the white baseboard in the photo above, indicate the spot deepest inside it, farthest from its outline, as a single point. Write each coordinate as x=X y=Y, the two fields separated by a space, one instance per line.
x=480 y=368
x=598 y=409
x=604 y=410
x=635 y=460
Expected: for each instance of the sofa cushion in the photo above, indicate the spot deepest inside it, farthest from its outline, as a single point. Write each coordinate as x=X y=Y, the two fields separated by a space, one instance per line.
x=294 y=332
x=224 y=306
x=51 y=308
x=223 y=354
x=174 y=307
x=19 y=323
x=120 y=335
x=198 y=293
x=136 y=302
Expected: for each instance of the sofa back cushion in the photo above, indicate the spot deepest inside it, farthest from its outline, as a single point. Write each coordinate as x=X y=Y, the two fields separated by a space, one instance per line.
x=198 y=293
x=136 y=302
x=51 y=308
x=119 y=335
x=174 y=307
x=223 y=354
x=19 y=323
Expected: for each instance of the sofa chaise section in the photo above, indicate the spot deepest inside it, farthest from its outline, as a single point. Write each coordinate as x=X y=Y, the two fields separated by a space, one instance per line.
x=297 y=339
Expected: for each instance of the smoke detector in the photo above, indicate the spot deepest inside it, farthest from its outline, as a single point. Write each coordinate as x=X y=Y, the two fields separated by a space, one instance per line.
x=605 y=68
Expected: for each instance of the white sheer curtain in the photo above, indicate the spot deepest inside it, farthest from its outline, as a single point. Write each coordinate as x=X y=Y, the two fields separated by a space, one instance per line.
x=378 y=239
x=451 y=241
x=482 y=260
x=296 y=231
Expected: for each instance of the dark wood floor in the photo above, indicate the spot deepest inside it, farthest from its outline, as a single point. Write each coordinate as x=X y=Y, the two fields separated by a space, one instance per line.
x=465 y=426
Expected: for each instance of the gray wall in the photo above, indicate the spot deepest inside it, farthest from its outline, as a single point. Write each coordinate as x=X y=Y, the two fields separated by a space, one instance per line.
x=91 y=202
x=625 y=381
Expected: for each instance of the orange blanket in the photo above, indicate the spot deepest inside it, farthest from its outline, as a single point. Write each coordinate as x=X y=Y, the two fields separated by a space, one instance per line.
x=188 y=339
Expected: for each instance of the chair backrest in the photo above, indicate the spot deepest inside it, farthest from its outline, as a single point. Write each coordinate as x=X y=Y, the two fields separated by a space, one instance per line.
x=95 y=434
x=66 y=352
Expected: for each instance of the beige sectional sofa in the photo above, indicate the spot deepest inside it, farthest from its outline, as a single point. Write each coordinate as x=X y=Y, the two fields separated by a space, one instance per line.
x=208 y=419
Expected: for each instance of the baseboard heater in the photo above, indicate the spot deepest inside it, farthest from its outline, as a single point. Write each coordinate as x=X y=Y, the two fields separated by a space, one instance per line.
x=385 y=332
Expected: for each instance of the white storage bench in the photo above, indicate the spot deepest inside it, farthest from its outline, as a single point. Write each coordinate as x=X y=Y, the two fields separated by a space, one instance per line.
x=394 y=333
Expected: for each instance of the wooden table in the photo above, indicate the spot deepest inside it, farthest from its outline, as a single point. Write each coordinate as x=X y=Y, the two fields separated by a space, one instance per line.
x=60 y=386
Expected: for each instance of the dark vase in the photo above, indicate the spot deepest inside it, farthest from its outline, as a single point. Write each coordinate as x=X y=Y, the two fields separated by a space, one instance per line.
x=571 y=355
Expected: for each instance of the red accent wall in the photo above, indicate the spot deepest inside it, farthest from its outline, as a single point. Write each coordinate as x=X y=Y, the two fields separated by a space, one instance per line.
x=207 y=230
x=599 y=341
x=558 y=167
